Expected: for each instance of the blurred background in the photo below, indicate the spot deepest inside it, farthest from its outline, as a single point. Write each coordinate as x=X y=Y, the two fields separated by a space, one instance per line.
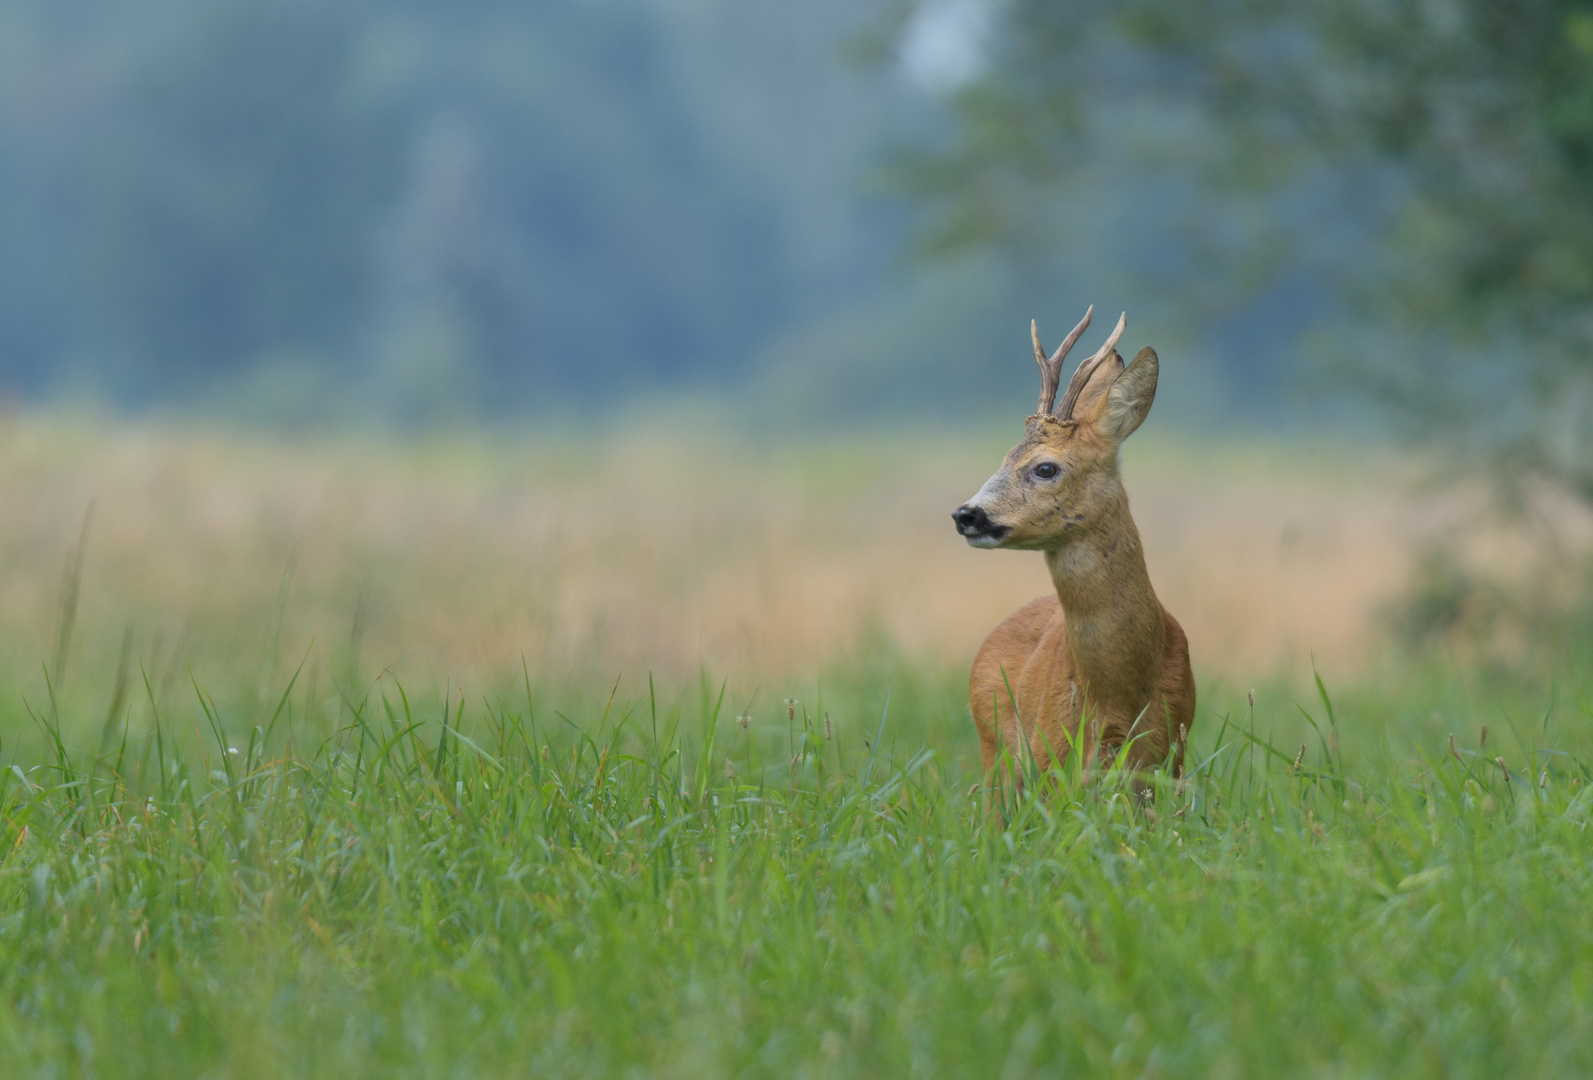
x=617 y=336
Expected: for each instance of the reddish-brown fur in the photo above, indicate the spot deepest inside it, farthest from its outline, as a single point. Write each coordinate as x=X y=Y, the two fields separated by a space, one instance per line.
x=1102 y=647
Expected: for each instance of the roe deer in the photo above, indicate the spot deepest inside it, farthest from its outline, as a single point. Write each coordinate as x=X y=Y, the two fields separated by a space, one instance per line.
x=1102 y=646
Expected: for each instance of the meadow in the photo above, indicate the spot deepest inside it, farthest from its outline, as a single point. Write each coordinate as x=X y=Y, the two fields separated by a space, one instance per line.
x=646 y=755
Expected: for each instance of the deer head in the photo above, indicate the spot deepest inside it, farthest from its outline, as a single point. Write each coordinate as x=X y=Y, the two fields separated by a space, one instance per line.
x=1062 y=477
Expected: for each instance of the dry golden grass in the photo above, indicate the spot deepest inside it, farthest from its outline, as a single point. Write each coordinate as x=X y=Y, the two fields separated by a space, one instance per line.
x=650 y=551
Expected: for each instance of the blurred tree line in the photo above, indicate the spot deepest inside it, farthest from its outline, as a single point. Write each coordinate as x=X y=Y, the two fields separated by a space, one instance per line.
x=483 y=206
x=486 y=208
x=1423 y=169
x=307 y=210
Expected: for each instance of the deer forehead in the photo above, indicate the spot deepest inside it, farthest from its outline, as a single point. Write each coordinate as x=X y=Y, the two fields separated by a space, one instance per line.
x=1045 y=437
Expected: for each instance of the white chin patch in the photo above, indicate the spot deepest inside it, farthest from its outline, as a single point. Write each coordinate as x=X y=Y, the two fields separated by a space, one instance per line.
x=983 y=542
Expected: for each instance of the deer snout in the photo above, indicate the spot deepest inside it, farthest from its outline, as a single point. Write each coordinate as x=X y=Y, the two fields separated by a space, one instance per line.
x=971 y=519
x=973 y=523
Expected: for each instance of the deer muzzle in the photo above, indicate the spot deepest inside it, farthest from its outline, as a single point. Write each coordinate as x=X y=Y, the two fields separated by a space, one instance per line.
x=976 y=527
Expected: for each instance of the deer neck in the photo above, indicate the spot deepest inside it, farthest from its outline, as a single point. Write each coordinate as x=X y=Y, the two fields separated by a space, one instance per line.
x=1114 y=621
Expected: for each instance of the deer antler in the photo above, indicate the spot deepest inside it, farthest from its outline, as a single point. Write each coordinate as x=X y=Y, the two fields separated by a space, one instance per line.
x=1081 y=377
x=1051 y=369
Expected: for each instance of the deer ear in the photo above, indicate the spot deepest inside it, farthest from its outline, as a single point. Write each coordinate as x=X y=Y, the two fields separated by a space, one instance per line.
x=1130 y=397
x=1101 y=381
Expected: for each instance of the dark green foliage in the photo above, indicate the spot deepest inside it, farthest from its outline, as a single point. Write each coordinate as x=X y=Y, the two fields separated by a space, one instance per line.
x=1430 y=162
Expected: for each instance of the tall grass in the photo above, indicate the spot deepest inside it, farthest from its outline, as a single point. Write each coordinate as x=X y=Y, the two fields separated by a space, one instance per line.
x=667 y=885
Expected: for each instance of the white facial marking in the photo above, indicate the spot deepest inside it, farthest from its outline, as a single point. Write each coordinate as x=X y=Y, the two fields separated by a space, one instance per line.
x=991 y=486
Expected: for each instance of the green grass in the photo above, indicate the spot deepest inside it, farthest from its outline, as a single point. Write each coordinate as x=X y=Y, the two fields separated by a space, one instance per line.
x=375 y=887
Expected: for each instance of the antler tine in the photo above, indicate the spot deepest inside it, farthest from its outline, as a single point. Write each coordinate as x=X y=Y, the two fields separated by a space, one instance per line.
x=1050 y=377
x=1081 y=377
x=1112 y=339
x=1051 y=367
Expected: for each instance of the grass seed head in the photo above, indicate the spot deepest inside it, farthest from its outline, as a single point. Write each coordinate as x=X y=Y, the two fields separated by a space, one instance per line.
x=1250 y=696
x=790 y=708
x=1482 y=738
x=730 y=770
x=828 y=732
x=1503 y=768
x=1298 y=758
x=1452 y=751
x=744 y=718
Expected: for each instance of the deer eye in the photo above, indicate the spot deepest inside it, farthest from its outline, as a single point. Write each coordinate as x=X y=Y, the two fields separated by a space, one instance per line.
x=1046 y=470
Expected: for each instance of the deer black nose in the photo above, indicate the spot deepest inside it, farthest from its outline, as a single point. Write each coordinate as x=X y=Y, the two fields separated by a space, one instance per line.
x=971 y=520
